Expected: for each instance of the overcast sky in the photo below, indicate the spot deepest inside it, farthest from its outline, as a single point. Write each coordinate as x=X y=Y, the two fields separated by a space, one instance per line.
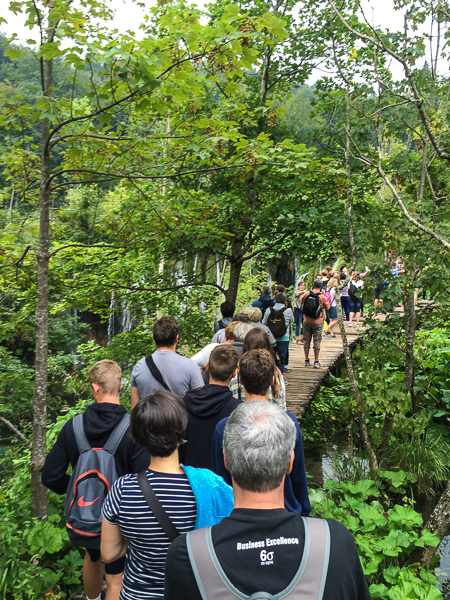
x=128 y=16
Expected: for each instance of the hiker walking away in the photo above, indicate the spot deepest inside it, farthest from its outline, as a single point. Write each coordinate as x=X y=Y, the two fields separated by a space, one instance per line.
x=260 y=548
x=354 y=291
x=209 y=405
x=257 y=374
x=235 y=334
x=219 y=337
x=298 y=315
x=265 y=300
x=277 y=392
x=279 y=319
x=313 y=304
x=227 y=309
x=96 y=441
x=345 y=298
x=380 y=287
x=330 y=295
x=164 y=369
x=144 y=512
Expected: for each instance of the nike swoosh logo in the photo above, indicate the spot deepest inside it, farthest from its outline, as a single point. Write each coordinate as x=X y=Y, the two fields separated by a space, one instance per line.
x=81 y=502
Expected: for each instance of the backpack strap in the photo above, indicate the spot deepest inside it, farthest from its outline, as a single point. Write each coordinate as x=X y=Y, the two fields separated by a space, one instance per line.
x=117 y=434
x=309 y=581
x=206 y=568
x=156 y=507
x=80 y=436
x=156 y=372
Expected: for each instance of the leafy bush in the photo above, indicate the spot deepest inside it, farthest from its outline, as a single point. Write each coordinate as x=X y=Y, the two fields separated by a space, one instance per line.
x=425 y=456
x=36 y=557
x=386 y=535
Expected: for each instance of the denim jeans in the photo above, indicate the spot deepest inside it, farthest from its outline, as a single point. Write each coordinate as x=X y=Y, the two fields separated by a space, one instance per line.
x=283 y=346
x=298 y=318
x=345 y=301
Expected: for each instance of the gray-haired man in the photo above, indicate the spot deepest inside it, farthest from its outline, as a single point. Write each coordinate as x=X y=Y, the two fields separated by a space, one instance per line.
x=261 y=547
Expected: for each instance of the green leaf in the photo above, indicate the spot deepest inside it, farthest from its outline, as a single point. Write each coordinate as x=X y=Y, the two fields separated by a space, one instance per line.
x=45 y=537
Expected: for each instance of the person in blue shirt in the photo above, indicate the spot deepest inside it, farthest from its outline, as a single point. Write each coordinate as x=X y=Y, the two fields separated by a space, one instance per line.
x=256 y=373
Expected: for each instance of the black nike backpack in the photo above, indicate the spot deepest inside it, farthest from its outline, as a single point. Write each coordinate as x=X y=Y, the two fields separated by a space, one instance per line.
x=91 y=480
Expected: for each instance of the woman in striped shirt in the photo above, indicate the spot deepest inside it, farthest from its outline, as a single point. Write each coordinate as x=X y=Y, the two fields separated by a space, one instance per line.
x=192 y=498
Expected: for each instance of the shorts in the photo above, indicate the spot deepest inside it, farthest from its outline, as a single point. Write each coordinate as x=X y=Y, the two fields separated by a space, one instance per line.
x=332 y=313
x=377 y=293
x=114 y=568
x=312 y=331
x=355 y=305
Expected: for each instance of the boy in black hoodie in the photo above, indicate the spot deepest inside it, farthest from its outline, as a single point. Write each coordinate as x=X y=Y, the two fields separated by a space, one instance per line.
x=99 y=420
x=209 y=405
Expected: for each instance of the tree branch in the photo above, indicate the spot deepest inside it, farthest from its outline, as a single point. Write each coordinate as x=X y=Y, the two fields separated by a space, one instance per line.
x=16 y=431
x=27 y=249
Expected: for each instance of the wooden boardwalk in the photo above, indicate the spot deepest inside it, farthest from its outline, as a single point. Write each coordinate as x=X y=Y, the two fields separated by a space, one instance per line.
x=304 y=382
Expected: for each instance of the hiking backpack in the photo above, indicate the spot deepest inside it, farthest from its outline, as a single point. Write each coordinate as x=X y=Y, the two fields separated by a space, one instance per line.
x=311 y=306
x=352 y=290
x=276 y=322
x=90 y=483
x=307 y=584
x=327 y=295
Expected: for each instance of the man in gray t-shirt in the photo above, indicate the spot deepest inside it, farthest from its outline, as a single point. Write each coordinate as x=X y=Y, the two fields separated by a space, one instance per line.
x=181 y=374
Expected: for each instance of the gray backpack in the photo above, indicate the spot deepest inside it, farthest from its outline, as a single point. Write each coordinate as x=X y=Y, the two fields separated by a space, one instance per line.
x=308 y=583
x=90 y=483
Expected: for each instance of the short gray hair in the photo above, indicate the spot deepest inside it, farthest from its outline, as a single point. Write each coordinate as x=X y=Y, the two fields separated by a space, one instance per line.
x=241 y=330
x=258 y=440
x=281 y=298
x=255 y=315
x=265 y=290
x=246 y=309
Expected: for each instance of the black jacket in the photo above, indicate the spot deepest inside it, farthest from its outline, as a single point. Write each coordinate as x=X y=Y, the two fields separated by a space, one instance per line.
x=206 y=407
x=99 y=421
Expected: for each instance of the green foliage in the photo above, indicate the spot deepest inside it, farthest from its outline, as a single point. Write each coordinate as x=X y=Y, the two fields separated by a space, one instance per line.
x=386 y=535
x=425 y=457
x=36 y=558
x=327 y=414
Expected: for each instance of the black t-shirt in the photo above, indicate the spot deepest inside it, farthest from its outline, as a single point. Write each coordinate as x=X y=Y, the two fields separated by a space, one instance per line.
x=250 y=572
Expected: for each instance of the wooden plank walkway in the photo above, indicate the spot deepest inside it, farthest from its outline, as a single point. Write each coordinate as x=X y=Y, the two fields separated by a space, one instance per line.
x=304 y=382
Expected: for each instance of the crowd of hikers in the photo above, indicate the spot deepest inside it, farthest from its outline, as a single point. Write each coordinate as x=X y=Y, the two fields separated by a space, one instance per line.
x=201 y=492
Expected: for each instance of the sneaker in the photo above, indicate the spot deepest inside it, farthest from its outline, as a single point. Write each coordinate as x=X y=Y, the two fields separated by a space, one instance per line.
x=307 y=363
x=357 y=325
x=318 y=364
x=287 y=368
x=326 y=333
x=286 y=382
x=349 y=324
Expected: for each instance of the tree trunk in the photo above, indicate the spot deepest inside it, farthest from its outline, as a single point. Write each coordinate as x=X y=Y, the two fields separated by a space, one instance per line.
x=354 y=385
x=235 y=270
x=233 y=284
x=410 y=333
x=439 y=523
x=39 y=447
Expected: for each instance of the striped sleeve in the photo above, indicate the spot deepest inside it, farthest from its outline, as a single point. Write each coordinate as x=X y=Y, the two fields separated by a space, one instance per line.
x=111 y=506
